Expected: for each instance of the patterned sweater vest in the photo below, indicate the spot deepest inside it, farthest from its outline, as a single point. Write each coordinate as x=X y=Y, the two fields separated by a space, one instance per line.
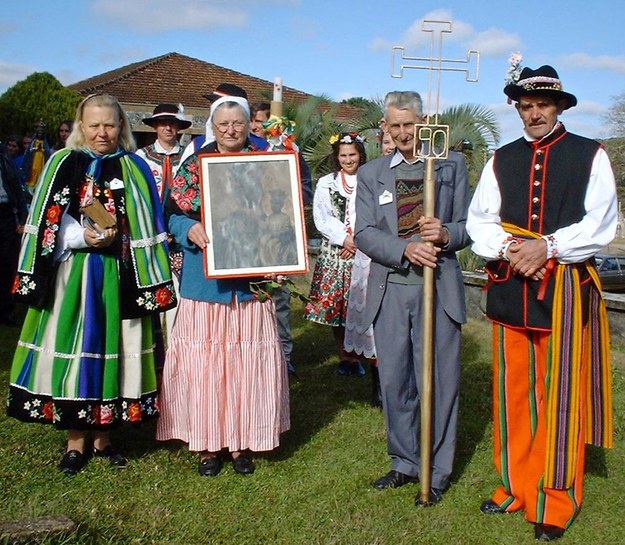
x=543 y=187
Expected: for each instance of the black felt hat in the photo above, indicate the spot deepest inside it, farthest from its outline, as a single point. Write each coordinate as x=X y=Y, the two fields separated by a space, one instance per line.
x=168 y=112
x=543 y=80
x=226 y=90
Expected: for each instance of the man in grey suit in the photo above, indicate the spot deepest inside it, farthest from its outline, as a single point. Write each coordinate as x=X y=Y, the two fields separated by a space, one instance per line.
x=392 y=231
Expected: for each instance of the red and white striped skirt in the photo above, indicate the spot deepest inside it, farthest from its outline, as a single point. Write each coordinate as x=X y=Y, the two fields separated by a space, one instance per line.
x=225 y=381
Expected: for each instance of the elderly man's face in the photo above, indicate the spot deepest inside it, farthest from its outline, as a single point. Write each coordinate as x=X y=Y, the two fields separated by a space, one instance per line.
x=539 y=114
x=231 y=127
x=400 y=125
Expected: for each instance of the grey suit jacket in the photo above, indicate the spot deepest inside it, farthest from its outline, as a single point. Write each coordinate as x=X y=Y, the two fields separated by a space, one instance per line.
x=376 y=231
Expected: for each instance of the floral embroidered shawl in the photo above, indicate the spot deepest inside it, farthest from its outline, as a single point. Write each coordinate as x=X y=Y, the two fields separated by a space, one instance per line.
x=145 y=277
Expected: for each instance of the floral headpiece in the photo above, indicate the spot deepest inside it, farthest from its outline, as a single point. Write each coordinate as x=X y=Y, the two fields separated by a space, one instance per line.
x=514 y=70
x=349 y=138
x=279 y=132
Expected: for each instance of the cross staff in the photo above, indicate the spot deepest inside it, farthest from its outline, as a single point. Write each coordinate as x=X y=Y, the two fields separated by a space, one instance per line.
x=435 y=140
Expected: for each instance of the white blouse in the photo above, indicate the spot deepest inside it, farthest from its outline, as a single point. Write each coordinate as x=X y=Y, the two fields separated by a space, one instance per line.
x=571 y=244
x=330 y=227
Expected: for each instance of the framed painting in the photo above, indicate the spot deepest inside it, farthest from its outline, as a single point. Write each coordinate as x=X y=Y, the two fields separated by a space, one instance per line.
x=253 y=214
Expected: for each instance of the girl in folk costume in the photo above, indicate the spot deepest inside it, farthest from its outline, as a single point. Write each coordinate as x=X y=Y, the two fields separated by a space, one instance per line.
x=92 y=280
x=334 y=215
x=357 y=339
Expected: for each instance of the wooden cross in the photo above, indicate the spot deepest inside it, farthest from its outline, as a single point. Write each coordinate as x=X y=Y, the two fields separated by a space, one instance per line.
x=431 y=133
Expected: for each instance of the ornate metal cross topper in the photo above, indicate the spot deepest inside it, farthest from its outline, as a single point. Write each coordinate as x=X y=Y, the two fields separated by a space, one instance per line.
x=431 y=133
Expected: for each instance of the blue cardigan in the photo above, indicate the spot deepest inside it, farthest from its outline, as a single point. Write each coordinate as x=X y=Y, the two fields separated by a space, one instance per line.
x=193 y=284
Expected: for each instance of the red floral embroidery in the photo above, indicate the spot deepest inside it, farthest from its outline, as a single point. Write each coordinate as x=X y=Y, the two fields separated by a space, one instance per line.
x=48 y=238
x=48 y=411
x=134 y=412
x=54 y=214
x=106 y=414
x=163 y=297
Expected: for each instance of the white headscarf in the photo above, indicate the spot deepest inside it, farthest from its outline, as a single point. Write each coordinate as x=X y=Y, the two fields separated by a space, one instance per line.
x=210 y=137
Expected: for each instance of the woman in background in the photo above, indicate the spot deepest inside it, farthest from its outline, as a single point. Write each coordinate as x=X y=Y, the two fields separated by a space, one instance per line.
x=62 y=133
x=335 y=217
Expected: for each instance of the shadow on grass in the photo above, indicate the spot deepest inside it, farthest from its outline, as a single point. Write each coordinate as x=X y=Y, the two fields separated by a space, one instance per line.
x=475 y=411
x=317 y=393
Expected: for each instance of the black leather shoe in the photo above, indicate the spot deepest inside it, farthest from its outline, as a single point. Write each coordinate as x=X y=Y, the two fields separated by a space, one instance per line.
x=489 y=507
x=434 y=497
x=72 y=462
x=393 y=479
x=114 y=457
x=243 y=464
x=547 y=532
x=210 y=467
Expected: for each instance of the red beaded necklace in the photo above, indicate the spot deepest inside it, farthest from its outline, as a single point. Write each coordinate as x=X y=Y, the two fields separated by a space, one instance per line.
x=346 y=187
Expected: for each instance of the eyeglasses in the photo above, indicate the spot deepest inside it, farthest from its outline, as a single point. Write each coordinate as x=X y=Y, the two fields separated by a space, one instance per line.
x=223 y=126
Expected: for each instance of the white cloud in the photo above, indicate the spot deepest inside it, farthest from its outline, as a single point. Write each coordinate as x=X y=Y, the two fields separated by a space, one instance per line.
x=380 y=44
x=10 y=74
x=151 y=16
x=587 y=107
x=599 y=62
x=494 y=42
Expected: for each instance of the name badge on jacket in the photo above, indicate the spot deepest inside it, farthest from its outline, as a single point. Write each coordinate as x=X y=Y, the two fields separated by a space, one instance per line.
x=386 y=197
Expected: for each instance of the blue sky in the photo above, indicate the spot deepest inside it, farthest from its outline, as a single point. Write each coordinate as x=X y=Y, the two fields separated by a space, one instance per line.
x=341 y=48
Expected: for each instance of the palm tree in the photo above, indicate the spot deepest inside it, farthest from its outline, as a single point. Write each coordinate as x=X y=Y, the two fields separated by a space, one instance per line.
x=474 y=131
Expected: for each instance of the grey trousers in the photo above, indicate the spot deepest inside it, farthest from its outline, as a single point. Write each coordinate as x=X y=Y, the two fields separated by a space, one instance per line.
x=282 y=303
x=397 y=332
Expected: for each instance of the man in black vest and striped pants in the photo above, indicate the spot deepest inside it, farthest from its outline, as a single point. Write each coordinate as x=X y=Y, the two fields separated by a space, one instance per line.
x=544 y=206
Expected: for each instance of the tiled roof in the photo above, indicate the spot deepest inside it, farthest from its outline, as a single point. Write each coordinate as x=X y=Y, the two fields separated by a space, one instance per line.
x=175 y=78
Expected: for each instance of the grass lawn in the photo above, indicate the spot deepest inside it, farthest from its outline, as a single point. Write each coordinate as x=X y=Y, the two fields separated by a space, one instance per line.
x=315 y=489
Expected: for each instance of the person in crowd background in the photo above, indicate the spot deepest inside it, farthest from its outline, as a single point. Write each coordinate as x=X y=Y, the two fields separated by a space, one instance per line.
x=12 y=219
x=36 y=153
x=163 y=158
x=357 y=340
x=334 y=216
x=62 y=133
x=259 y=113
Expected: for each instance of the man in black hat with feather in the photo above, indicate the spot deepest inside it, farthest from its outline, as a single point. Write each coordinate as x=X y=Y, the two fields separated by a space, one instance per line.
x=544 y=206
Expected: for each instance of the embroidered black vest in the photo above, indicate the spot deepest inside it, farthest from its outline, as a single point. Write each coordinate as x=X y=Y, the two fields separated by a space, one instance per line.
x=543 y=187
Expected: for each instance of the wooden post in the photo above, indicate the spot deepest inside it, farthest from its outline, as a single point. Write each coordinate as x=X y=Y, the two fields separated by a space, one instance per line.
x=427 y=358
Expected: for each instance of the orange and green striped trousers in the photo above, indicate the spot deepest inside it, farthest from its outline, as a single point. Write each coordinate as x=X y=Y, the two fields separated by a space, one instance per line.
x=520 y=390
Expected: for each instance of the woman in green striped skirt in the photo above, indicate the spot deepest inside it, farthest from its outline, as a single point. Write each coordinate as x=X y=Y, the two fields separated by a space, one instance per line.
x=94 y=270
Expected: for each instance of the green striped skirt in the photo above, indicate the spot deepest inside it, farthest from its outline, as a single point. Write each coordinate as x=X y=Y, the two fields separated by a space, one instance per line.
x=77 y=364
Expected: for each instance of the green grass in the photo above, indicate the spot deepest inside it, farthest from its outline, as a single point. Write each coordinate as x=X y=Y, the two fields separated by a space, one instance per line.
x=314 y=489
